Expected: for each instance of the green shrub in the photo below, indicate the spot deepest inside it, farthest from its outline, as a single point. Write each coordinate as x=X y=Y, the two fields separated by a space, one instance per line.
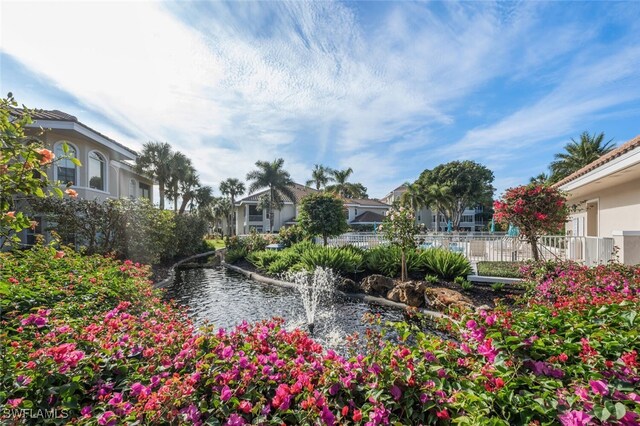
x=459 y=280
x=466 y=285
x=188 y=236
x=500 y=269
x=432 y=279
x=235 y=254
x=445 y=264
x=302 y=247
x=386 y=260
x=262 y=259
x=339 y=260
x=286 y=262
x=291 y=235
x=497 y=286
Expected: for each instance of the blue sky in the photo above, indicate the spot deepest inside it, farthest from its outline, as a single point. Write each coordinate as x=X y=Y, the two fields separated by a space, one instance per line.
x=387 y=88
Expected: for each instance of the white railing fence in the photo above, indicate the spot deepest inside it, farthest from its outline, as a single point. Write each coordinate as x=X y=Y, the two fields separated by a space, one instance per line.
x=492 y=247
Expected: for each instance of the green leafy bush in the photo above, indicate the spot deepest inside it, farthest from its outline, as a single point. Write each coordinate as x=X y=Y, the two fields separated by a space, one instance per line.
x=286 y=261
x=235 y=254
x=386 y=260
x=500 y=269
x=444 y=263
x=339 y=260
x=262 y=259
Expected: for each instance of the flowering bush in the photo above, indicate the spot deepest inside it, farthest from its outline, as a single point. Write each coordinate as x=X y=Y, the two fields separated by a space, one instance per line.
x=88 y=337
x=534 y=209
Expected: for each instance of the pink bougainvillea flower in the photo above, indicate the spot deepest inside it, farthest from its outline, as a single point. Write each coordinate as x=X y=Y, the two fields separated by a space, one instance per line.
x=225 y=393
x=599 y=387
x=59 y=254
x=396 y=393
x=235 y=420
x=72 y=193
x=575 y=418
x=14 y=403
x=108 y=418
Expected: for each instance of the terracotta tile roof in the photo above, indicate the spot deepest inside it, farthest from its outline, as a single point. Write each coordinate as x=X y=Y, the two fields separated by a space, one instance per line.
x=299 y=191
x=370 y=202
x=56 y=115
x=368 y=217
x=621 y=150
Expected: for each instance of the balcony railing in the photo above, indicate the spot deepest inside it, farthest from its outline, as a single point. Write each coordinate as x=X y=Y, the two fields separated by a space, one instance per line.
x=255 y=218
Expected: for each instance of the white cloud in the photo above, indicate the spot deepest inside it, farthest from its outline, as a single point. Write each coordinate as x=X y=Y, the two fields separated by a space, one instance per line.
x=232 y=83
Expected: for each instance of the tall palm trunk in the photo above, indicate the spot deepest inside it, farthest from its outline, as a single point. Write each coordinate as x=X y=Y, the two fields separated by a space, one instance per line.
x=270 y=210
x=161 y=190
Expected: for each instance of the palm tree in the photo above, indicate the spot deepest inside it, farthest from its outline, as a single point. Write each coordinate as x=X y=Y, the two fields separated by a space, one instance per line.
x=232 y=187
x=320 y=176
x=189 y=186
x=414 y=197
x=578 y=154
x=153 y=161
x=277 y=180
x=220 y=208
x=181 y=171
x=439 y=199
x=202 y=198
x=541 y=179
x=341 y=186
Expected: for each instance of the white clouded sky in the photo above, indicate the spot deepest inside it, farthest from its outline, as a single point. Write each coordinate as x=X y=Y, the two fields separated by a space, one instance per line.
x=386 y=88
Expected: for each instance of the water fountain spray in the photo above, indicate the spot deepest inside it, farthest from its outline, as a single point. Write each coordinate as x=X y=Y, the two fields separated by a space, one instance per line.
x=313 y=287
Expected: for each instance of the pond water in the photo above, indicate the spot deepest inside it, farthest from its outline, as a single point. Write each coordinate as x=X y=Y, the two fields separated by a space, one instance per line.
x=225 y=298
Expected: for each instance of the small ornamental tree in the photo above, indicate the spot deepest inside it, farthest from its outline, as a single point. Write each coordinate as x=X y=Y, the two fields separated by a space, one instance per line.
x=399 y=228
x=535 y=209
x=322 y=214
x=23 y=164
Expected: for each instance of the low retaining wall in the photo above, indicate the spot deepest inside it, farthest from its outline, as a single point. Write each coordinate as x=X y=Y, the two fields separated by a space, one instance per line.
x=357 y=296
x=510 y=283
x=172 y=271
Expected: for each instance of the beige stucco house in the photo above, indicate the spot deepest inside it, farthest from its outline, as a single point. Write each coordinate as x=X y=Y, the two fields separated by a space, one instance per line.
x=249 y=217
x=605 y=196
x=107 y=166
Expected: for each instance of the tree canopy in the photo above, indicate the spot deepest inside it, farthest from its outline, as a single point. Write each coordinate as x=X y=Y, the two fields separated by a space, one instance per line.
x=322 y=214
x=460 y=184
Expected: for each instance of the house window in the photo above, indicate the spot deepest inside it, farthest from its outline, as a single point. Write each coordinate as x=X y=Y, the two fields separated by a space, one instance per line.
x=355 y=213
x=145 y=190
x=97 y=171
x=467 y=218
x=132 y=188
x=66 y=171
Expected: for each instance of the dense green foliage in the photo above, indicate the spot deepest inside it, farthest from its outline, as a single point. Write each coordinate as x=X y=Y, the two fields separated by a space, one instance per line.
x=399 y=228
x=132 y=229
x=322 y=214
x=500 y=269
x=462 y=184
x=446 y=264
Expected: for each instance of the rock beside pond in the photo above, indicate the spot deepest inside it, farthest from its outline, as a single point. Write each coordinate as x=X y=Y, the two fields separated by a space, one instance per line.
x=409 y=293
x=348 y=286
x=442 y=298
x=376 y=284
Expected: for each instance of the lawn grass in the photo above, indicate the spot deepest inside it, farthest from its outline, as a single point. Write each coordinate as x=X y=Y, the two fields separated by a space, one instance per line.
x=500 y=269
x=214 y=244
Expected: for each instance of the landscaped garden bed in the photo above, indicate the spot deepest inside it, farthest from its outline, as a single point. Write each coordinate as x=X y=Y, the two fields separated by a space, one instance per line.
x=88 y=337
x=500 y=269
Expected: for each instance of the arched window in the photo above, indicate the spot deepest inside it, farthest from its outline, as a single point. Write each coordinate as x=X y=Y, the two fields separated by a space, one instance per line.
x=97 y=171
x=66 y=171
x=132 y=188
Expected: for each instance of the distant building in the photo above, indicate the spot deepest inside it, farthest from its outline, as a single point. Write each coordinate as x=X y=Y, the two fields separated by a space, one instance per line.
x=606 y=197
x=471 y=217
x=358 y=211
